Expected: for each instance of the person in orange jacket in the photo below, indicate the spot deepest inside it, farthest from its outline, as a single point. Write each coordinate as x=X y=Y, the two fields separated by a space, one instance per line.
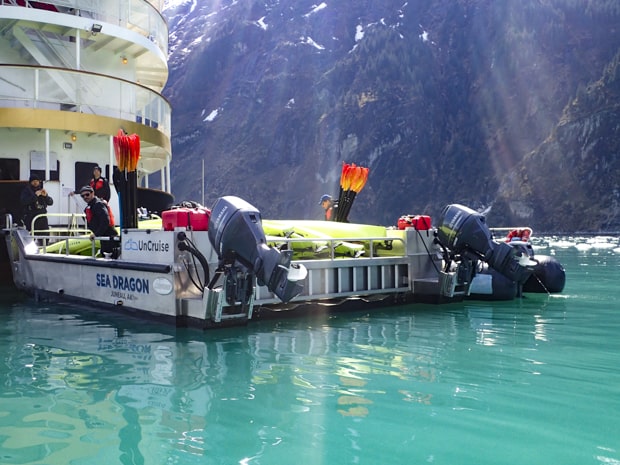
x=329 y=206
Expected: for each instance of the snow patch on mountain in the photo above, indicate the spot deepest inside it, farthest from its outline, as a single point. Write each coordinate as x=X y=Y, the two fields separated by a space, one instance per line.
x=262 y=24
x=359 y=33
x=315 y=9
x=211 y=116
x=310 y=41
x=172 y=4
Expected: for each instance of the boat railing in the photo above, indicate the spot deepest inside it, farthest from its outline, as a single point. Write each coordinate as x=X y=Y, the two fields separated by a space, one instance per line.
x=73 y=227
x=506 y=231
x=55 y=240
x=76 y=227
x=331 y=244
x=8 y=220
x=510 y=228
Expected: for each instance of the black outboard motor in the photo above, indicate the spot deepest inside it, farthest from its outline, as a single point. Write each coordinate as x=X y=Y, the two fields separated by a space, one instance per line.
x=465 y=232
x=236 y=233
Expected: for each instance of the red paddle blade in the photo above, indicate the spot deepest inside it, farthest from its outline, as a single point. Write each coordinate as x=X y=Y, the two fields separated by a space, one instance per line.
x=134 y=152
x=124 y=153
x=118 y=147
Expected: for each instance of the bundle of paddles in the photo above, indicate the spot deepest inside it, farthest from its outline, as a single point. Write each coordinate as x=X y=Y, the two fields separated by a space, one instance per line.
x=127 y=152
x=352 y=180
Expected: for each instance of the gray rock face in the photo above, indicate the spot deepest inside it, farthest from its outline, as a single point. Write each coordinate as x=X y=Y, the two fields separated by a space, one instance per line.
x=511 y=107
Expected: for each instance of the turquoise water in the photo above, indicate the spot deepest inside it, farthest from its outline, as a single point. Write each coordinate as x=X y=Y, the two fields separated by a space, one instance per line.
x=534 y=381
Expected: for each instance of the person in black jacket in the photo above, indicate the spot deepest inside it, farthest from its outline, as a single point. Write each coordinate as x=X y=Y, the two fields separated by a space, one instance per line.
x=34 y=200
x=98 y=219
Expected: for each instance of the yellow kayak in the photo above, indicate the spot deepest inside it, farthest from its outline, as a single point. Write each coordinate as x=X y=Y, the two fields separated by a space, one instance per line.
x=328 y=230
x=320 y=237
x=81 y=245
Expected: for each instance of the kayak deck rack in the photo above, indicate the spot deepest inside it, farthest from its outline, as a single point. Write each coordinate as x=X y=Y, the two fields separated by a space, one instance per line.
x=370 y=274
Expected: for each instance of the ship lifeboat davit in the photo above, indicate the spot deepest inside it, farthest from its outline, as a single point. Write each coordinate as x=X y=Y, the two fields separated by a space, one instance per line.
x=548 y=276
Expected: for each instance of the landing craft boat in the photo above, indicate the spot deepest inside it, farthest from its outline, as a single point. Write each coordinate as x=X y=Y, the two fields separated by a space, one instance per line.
x=221 y=267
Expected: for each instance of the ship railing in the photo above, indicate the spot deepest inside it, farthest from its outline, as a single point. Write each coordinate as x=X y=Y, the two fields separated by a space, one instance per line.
x=140 y=16
x=134 y=102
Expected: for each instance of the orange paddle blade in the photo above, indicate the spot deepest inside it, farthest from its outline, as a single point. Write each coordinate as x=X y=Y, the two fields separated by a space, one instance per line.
x=355 y=176
x=349 y=177
x=361 y=179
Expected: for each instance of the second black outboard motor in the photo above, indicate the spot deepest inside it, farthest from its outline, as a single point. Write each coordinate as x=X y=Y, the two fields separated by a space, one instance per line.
x=236 y=233
x=465 y=232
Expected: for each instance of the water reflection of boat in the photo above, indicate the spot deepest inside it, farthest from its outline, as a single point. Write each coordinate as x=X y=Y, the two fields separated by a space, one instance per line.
x=85 y=390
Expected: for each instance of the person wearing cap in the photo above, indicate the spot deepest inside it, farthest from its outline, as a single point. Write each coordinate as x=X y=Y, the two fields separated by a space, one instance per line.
x=100 y=185
x=98 y=219
x=34 y=200
x=329 y=206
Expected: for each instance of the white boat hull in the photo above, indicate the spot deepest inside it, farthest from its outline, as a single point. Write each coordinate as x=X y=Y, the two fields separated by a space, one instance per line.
x=153 y=277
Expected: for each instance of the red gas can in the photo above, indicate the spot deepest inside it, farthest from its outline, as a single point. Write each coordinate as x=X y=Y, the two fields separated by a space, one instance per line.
x=196 y=219
x=419 y=222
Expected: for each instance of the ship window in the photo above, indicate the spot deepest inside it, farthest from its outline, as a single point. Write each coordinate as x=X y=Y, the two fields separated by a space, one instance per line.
x=9 y=169
x=53 y=173
x=38 y=161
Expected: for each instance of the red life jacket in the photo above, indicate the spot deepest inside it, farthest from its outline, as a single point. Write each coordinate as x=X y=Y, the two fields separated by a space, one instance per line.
x=96 y=185
x=110 y=214
x=89 y=214
x=519 y=235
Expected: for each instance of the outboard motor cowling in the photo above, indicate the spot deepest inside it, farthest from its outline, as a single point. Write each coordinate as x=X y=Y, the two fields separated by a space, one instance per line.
x=236 y=233
x=464 y=231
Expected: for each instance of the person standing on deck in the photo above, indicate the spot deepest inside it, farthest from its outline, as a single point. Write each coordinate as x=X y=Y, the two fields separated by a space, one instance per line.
x=100 y=185
x=98 y=219
x=329 y=206
x=34 y=200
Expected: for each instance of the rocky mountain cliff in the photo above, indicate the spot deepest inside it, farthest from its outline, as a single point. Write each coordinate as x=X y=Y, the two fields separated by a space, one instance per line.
x=507 y=107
